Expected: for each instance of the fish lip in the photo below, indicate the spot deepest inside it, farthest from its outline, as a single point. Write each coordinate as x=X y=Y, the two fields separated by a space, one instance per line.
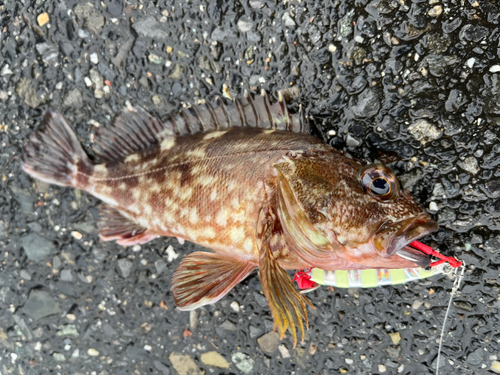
x=396 y=237
x=418 y=228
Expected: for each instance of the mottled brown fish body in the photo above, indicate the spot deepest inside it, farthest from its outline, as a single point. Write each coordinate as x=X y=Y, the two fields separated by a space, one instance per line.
x=246 y=181
x=206 y=188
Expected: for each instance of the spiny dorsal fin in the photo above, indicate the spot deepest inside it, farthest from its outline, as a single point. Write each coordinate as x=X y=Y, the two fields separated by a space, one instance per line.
x=254 y=111
x=135 y=130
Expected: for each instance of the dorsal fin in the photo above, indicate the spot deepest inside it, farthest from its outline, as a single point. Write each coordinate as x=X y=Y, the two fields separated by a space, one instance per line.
x=135 y=130
x=257 y=112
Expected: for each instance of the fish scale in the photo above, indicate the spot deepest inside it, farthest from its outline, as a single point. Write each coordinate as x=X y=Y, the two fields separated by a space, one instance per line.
x=246 y=180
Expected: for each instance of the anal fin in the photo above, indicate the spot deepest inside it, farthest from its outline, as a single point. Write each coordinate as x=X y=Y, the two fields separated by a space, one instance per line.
x=114 y=226
x=204 y=278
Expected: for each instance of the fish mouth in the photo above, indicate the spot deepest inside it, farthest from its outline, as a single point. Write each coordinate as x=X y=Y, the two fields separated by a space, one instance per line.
x=394 y=238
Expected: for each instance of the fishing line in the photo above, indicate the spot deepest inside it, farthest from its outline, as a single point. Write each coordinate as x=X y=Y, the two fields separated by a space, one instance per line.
x=459 y=273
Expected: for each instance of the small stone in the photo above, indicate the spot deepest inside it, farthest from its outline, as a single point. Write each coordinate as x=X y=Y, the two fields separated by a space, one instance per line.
x=469 y=164
x=40 y=304
x=476 y=357
x=25 y=275
x=74 y=98
x=156 y=59
x=92 y=352
x=214 y=359
x=171 y=254
x=177 y=71
x=228 y=325
x=6 y=70
x=184 y=364
x=473 y=33
x=26 y=90
x=56 y=262
x=157 y=100
x=98 y=81
x=349 y=361
x=256 y=4
x=436 y=11
x=416 y=304
x=87 y=81
x=424 y=131
x=346 y=24
x=495 y=367
x=495 y=69
x=83 y=34
x=59 y=357
x=269 y=342
x=42 y=19
x=68 y=330
x=245 y=24
x=382 y=368
x=351 y=141
x=235 y=306
x=470 y=63
x=433 y=207
x=289 y=22
x=395 y=337
x=23 y=197
x=125 y=267
x=365 y=104
x=94 y=59
x=193 y=320
x=284 y=351
x=76 y=235
x=253 y=37
x=160 y=266
x=223 y=34
x=463 y=305
x=161 y=367
x=148 y=348
x=68 y=256
x=493 y=188
x=150 y=28
x=243 y=362
x=71 y=317
x=37 y=248
x=91 y=17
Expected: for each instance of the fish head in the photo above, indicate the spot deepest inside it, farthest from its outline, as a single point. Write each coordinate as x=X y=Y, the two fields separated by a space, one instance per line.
x=339 y=210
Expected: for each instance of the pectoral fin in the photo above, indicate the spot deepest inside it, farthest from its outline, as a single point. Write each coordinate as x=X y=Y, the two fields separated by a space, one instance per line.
x=204 y=278
x=288 y=306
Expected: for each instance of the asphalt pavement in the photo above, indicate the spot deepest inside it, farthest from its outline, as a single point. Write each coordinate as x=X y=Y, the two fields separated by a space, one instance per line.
x=415 y=84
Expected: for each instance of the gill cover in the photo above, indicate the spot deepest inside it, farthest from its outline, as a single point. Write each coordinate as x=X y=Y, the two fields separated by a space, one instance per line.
x=300 y=196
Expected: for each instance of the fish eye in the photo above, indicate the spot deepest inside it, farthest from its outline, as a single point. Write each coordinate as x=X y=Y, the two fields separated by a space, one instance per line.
x=380 y=186
x=379 y=182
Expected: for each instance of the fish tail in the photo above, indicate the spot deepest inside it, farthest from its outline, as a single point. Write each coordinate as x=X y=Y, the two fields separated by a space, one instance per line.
x=53 y=153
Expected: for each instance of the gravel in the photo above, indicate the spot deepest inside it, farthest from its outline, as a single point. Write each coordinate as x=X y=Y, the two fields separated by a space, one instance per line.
x=413 y=84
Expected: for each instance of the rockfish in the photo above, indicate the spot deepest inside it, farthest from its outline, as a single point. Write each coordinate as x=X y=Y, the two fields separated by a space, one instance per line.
x=245 y=180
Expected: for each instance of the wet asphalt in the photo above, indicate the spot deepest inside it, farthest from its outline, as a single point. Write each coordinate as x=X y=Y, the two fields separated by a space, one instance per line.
x=415 y=84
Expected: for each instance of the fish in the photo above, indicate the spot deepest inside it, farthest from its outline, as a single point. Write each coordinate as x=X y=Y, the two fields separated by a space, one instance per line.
x=247 y=181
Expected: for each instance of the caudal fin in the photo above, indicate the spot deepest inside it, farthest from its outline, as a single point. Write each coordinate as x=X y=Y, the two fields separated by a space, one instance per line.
x=53 y=153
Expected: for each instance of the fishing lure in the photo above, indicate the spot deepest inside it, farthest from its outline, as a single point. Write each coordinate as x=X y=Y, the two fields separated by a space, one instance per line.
x=369 y=278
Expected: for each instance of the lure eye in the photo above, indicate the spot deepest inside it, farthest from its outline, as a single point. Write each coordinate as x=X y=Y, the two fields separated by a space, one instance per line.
x=379 y=181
